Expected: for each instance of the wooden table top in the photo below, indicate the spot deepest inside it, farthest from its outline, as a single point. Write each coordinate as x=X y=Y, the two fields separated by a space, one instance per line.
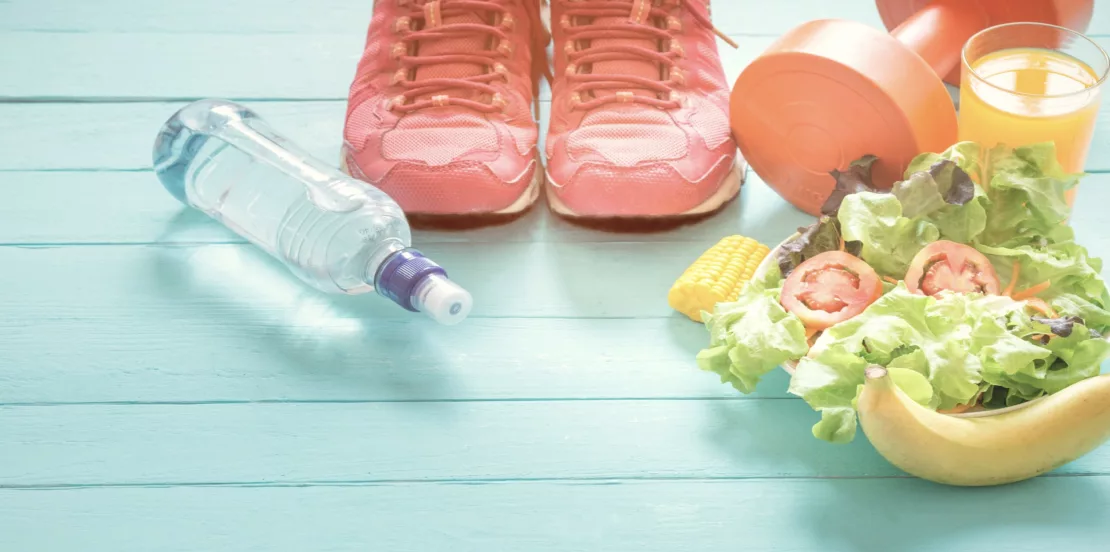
x=165 y=387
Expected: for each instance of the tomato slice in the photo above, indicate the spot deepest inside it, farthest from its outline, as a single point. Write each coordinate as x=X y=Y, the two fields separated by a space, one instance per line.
x=946 y=265
x=830 y=287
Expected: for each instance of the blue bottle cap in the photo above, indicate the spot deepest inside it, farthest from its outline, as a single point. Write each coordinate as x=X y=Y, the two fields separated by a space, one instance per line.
x=401 y=273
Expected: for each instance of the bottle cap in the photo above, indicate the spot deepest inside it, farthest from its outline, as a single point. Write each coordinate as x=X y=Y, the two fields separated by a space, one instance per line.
x=443 y=300
x=418 y=284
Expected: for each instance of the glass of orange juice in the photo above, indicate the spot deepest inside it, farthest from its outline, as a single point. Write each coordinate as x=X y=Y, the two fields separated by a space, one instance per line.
x=1023 y=83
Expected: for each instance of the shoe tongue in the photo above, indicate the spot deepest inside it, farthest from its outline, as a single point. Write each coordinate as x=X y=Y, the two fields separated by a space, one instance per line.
x=452 y=46
x=637 y=67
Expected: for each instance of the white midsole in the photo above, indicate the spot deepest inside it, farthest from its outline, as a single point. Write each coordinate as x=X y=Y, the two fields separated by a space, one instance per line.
x=526 y=199
x=728 y=189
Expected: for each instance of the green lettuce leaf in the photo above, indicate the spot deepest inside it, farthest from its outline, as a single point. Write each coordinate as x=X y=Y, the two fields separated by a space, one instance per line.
x=889 y=240
x=1026 y=224
x=1008 y=360
x=962 y=223
x=920 y=194
x=830 y=385
x=1077 y=357
x=937 y=200
x=1062 y=327
x=751 y=336
x=944 y=192
x=1093 y=316
x=914 y=384
x=1066 y=264
x=959 y=344
x=812 y=240
x=965 y=155
x=1026 y=187
x=1062 y=351
x=924 y=192
x=771 y=279
x=856 y=179
x=874 y=356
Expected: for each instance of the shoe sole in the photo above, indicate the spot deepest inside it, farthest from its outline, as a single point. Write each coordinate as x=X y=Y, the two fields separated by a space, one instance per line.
x=518 y=207
x=729 y=190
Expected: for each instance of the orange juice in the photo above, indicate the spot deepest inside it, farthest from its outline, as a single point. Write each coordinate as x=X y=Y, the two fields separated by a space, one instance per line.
x=1020 y=96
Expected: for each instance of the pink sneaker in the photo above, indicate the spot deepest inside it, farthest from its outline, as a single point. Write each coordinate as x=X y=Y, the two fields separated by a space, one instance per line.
x=440 y=111
x=639 y=123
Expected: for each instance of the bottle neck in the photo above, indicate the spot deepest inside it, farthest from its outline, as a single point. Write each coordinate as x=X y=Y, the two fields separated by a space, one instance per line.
x=378 y=259
x=401 y=274
x=418 y=284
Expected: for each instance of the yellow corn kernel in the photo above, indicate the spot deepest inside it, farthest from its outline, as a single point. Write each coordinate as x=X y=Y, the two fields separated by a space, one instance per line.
x=717 y=276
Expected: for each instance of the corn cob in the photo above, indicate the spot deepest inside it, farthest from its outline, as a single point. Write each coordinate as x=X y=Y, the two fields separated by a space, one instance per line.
x=717 y=276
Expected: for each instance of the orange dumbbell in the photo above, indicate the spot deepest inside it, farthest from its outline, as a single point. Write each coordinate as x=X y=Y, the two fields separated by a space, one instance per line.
x=831 y=91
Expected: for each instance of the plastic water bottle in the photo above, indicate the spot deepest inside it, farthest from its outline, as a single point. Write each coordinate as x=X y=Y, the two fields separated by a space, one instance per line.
x=336 y=233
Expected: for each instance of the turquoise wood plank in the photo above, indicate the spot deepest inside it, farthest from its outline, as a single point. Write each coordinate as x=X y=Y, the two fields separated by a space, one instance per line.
x=239 y=284
x=319 y=443
x=126 y=207
x=197 y=16
x=167 y=358
x=132 y=208
x=345 y=16
x=167 y=65
x=1100 y=20
x=781 y=516
x=118 y=136
x=281 y=66
x=69 y=66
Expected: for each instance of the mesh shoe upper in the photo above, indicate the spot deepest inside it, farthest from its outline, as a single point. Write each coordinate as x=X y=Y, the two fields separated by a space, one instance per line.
x=439 y=114
x=639 y=121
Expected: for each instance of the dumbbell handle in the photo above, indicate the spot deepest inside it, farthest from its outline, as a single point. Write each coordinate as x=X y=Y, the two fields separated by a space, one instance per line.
x=939 y=31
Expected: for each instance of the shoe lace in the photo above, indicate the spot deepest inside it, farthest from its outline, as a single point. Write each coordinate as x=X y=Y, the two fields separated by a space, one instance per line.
x=424 y=23
x=578 y=22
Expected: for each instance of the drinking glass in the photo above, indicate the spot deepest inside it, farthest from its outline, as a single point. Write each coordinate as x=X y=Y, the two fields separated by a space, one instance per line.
x=1023 y=83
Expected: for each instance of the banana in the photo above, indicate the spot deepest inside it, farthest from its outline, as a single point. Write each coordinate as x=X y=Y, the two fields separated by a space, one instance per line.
x=988 y=450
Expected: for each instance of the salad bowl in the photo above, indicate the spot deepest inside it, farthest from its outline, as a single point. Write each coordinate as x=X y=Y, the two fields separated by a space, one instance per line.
x=896 y=317
x=790 y=365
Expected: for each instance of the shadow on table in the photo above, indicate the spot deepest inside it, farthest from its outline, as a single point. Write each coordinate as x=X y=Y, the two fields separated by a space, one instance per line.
x=305 y=332
x=908 y=515
x=775 y=433
x=851 y=498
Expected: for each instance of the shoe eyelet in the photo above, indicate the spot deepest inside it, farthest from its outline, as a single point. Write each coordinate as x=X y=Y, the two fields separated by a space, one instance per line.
x=677 y=76
x=571 y=69
x=402 y=25
x=396 y=102
x=500 y=69
x=398 y=77
x=564 y=22
x=508 y=22
x=440 y=100
x=499 y=102
x=568 y=47
x=397 y=50
x=624 y=96
x=677 y=49
x=506 y=48
x=673 y=24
